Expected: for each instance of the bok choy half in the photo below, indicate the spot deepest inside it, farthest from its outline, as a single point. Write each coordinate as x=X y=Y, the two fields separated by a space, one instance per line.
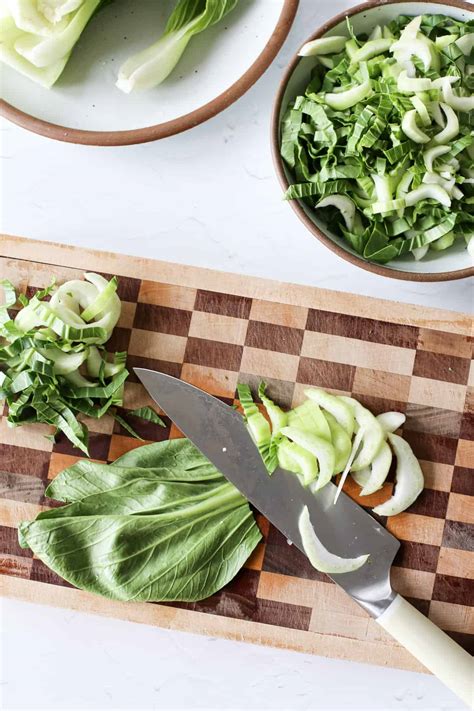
x=381 y=143
x=38 y=36
x=153 y=64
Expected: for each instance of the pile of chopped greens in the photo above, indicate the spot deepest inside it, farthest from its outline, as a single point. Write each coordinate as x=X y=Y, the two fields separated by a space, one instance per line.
x=382 y=140
x=160 y=523
x=53 y=363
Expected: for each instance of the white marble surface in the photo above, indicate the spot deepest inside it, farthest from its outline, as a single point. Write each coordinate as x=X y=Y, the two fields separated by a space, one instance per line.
x=207 y=197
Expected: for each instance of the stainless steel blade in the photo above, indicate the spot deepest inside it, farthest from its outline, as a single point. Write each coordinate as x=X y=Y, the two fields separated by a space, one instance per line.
x=345 y=528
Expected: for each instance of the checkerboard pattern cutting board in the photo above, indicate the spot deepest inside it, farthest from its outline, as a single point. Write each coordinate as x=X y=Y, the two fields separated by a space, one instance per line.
x=214 y=330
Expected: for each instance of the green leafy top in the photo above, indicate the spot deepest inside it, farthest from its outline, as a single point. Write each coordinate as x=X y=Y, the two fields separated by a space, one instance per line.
x=161 y=523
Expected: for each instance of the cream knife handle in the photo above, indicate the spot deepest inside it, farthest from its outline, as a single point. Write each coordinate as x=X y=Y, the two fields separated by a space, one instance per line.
x=431 y=646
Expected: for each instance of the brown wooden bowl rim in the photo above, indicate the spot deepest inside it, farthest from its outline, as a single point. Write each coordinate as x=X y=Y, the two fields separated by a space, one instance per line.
x=167 y=128
x=379 y=269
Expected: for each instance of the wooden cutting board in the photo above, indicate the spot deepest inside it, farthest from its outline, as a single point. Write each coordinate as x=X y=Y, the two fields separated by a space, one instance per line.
x=214 y=329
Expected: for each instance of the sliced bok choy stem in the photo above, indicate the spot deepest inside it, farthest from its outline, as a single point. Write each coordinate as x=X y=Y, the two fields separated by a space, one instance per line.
x=308 y=417
x=333 y=404
x=391 y=421
x=344 y=204
x=320 y=448
x=351 y=97
x=323 y=45
x=319 y=556
x=409 y=480
x=298 y=460
x=378 y=471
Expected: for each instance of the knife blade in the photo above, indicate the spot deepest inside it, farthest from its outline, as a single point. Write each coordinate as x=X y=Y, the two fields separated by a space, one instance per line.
x=219 y=432
x=345 y=528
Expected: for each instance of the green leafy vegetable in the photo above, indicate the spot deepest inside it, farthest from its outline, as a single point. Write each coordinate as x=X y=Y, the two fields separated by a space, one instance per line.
x=168 y=528
x=148 y=414
x=381 y=142
x=151 y=66
x=47 y=349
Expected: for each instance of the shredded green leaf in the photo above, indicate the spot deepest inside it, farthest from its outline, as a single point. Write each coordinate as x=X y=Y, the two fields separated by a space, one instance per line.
x=46 y=352
x=389 y=129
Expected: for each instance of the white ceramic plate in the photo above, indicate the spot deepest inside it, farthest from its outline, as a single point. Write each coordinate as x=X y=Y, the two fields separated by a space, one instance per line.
x=454 y=263
x=218 y=66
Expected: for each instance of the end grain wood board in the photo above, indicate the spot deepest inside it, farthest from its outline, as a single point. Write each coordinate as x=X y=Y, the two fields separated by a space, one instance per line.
x=215 y=329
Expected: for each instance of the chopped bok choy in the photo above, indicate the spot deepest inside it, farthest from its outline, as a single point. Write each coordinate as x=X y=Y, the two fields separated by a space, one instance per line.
x=327 y=435
x=53 y=364
x=381 y=142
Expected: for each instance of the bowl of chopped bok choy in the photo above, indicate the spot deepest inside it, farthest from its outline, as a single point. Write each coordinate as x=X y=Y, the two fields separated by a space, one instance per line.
x=373 y=137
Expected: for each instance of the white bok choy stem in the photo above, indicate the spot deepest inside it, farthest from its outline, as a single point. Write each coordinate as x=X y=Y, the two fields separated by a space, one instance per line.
x=409 y=479
x=319 y=556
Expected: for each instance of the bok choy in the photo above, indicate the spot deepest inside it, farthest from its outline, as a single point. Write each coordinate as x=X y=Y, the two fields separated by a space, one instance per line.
x=381 y=143
x=53 y=362
x=160 y=523
x=37 y=37
x=153 y=64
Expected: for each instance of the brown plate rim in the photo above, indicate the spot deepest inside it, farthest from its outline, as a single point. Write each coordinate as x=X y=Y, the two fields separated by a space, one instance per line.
x=278 y=162
x=167 y=128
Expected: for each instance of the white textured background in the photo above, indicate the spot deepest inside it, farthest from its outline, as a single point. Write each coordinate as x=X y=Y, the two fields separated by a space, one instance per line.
x=207 y=197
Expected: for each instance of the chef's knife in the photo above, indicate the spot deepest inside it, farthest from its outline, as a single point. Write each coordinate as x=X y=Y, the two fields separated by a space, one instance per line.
x=345 y=528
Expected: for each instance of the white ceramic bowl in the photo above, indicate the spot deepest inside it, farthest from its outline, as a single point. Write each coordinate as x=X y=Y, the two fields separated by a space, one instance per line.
x=454 y=263
x=85 y=106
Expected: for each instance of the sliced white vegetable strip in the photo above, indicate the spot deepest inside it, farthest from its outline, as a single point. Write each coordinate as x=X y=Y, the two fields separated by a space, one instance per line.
x=333 y=404
x=451 y=129
x=391 y=421
x=298 y=460
x=323 y=45
x=410 y=31
x=410 y=128
x=460 y=103
x=308 y=417
x=403 y=51
x=466 y=43
x=437 y=114
x=361 y=477
x=64 y=362
x=428 y=192
x=344 y=204
x=409 y=85
x=379 y=470
x=431 y=154
x=372 y=433
x=409 y=479
x=340 y=441
x=421 y=110
x=370 y=49
x=320 y=448
x=345 y=99
x=319 y=556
